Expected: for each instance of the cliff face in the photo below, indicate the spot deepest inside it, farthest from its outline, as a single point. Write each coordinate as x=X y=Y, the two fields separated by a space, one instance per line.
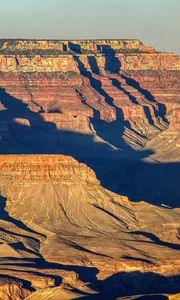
x=73 y=192
x=112 y=104
x=44 y=167
x=99 y=79
x=60 y=229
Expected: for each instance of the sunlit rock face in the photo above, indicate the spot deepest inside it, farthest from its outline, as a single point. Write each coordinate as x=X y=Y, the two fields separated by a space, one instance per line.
x=89 y=170
x=60 y=229
x=112 y=104
x=100 y=79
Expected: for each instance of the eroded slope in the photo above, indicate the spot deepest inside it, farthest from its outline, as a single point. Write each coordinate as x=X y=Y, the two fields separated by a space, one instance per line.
x=58 y=222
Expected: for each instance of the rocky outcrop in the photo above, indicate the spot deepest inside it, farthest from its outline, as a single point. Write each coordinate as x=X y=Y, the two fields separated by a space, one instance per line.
x=113 y=105
x=12 y=290
x=61 y=230
x=92 y=78
x=44 y=167
x=62 y=178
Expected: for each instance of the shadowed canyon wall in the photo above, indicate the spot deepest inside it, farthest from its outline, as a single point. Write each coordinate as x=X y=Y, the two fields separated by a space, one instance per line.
x=112 y=104
x=89 y=170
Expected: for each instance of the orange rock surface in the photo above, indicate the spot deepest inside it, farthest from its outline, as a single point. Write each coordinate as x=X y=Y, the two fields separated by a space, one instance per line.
x=85 y=77
x=60 y=232
x=89 y=170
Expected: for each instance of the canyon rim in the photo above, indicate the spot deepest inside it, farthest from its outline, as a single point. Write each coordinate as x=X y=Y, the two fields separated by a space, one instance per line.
x=89 y=170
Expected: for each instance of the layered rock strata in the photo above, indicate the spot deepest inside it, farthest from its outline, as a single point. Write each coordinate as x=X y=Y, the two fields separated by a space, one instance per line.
x=102 y=79
x=114 y=106
x=58 y=226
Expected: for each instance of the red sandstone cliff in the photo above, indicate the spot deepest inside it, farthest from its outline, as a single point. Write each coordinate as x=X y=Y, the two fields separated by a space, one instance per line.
x=82 y=78
x=114 y=105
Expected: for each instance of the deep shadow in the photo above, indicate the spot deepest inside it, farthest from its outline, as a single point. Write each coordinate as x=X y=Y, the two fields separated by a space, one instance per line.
x=112 y=63
x=148 y=115
x=119 y=167
x=139 y=285
x=93 y=64
x=75 y=47
x=142 y=283
x=118 y=285
x=26 y=136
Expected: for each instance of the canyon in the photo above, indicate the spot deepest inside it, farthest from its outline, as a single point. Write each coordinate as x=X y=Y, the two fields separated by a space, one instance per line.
x=89 y=170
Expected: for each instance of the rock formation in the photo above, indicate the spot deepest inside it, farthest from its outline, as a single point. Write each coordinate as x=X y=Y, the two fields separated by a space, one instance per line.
x=58 y=222
x=101 y=79
x=89 y=170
